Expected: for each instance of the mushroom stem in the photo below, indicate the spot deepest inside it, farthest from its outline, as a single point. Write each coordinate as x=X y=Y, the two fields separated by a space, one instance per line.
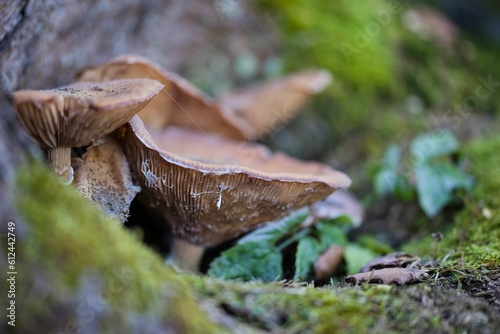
x=185 y=255
x=60 y=161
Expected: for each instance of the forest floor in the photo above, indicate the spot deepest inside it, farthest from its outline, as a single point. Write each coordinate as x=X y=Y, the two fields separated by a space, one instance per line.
x=81 y=270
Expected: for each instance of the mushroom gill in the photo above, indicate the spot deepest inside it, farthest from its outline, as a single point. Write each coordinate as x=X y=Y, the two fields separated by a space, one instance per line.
x=211 y=189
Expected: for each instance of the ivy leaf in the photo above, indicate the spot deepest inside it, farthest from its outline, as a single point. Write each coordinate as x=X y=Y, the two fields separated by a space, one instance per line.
x=248 y=261
x=386 y=178
x=404 y=190
x=308 y=250
x=330 y=234
x=435 y=144
x=371 y=243
x=356 y=257
x=272 y=232
x=435 y=184
x=344 y=222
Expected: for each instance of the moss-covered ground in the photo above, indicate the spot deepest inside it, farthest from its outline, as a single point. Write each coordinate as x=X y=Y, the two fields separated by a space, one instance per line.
x=461 y=295
x=82 y=272
x=474 y=240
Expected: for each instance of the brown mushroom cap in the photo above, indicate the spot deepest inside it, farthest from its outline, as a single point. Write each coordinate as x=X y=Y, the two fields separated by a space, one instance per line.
x=212 y=189
x=262 y=108
x=246 y=114
x=180 y=103
x=77 y=114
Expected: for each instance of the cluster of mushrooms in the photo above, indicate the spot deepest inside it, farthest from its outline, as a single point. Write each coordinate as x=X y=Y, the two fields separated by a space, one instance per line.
x=184 y=155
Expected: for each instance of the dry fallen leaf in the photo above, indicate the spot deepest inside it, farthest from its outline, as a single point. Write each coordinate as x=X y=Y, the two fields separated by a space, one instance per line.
x=397 y=259
x=399 y=276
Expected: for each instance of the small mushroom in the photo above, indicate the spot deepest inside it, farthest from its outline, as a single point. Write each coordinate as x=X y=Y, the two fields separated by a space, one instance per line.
x=326 y=264
x=265 y=106
x=211 y=189
x=337 y=204
x=430 y=24
x=103 y=177
x=78 y=114
x=180 y=103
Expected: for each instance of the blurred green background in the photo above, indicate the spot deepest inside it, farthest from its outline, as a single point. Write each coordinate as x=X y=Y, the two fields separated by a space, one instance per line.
x=400 y=68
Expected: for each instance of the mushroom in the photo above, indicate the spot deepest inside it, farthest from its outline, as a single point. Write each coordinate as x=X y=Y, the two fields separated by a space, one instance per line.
x=78 y=114
x=180 y=103
x=326 y=264
x=211 y=189
x=102 y=176
x=246 y=114
x=335 y=205
x=260 y=109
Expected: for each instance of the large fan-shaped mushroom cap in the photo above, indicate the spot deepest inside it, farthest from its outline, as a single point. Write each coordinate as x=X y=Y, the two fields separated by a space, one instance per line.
x=212 y=189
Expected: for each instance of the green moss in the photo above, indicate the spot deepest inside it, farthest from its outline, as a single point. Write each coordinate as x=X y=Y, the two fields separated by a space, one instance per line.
x=474 y=239
x=476 y=236
x=296 y=309
x=368 y=309
x=336 y=35
x=83 y=270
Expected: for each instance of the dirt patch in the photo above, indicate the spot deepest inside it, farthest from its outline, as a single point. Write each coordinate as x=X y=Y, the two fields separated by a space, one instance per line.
x=483 y=284
x=449 y=308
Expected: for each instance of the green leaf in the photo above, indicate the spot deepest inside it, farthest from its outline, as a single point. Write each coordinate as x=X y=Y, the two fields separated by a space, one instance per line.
x=431 y=145
x=385 y=182
x=330 y=234
x=248 y=261
x=356 y=257
x=272 y=232
x=371 y=243
x=386 y=177
x=343 y=221
x=308 y=250
x=435 y=184
x=404 y=190
x=392 y=156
